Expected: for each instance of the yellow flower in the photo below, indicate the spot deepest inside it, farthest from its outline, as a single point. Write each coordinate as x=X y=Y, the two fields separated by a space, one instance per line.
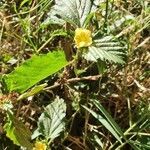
x=82 y=37
x=40 y=146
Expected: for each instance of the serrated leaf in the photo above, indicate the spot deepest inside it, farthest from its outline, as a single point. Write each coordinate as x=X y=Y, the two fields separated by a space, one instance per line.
x=51 y=122
x=72 y=11
x=18 y=132
x=34 y=70
x=105 y=49
x=52 y=19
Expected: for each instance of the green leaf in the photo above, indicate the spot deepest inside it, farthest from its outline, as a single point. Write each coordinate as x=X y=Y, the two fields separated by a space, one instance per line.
x=24 y=2
x=108 y=117
x=101 y=65
x=105 y=49
x=52 y=19
x=140 y=145
x=44 y=5
x=18 y=132
x=72 y=11
x=51 y=122
x=34 y=70
x=32 y=92
x=105 y=123
x=95 y=139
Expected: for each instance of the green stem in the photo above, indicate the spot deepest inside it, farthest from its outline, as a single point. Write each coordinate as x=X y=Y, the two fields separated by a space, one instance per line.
x=129 y=110
x=106 y=16
x=126 y=133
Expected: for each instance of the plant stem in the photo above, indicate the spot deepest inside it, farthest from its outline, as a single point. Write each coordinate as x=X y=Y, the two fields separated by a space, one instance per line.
x=129 y=110
x=106 y=16
x=86 y=126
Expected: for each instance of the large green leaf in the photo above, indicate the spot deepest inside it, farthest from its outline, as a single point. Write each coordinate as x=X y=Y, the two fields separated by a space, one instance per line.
x=106 y=49
x=72 y=11
x=18 y=132
x=34 y=70
x=51 y=122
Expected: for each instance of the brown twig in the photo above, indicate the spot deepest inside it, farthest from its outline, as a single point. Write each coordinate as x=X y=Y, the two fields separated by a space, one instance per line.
x=96 y=77
x=56 y=84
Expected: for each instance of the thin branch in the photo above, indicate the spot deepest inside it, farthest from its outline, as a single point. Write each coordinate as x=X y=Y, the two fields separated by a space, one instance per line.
x=56 y=84
x=96 y=77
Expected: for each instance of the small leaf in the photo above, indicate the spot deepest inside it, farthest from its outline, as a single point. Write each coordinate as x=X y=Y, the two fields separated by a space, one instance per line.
x=32 y=92
x=51 y=122
x=101 y=65
x=34 y=70
x=98 y=141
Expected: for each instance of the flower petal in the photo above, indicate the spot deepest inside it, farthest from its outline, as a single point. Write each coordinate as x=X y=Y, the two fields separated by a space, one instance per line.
x=82 y=37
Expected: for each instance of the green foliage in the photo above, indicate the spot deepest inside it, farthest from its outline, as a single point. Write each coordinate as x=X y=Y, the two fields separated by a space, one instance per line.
x=18 y=132
x=24 y=2
x=142 y=146
x=106 y=120
x=32 y=92
x=105 y=49
x=34 y=70
x=51 y=122
x=31 y=76
x=76 y=12
x=44 y=5
x=73 y=11
x=108 y=117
